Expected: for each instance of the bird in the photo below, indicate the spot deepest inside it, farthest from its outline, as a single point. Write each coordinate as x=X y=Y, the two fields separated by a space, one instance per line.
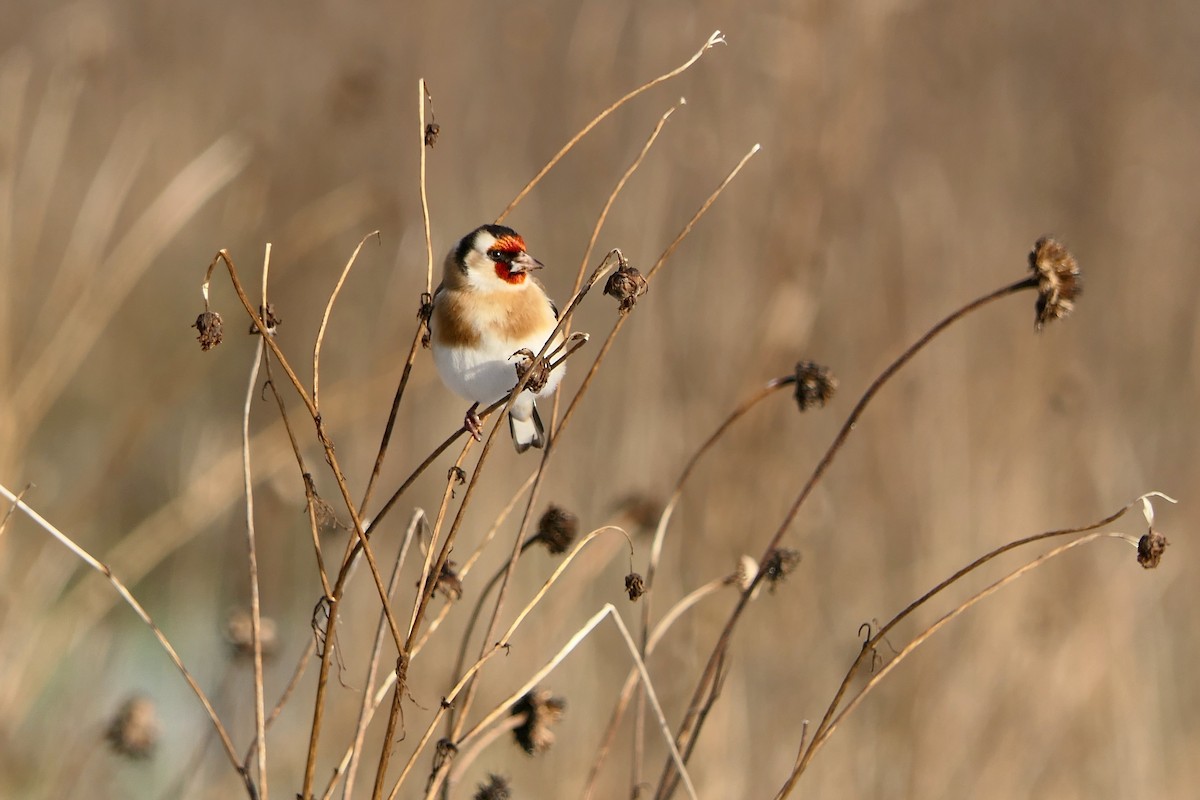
x=487 y=310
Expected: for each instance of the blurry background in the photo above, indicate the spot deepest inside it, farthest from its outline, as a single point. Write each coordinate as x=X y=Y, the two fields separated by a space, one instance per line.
x=912 y=153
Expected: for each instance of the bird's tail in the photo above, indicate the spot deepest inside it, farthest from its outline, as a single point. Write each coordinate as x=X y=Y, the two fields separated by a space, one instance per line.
x=527 y=432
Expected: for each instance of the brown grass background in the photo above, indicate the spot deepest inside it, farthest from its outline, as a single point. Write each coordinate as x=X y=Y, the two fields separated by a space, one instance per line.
x=912 y=153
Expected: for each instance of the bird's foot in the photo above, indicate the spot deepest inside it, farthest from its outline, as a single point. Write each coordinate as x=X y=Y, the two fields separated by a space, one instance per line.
x=473 y=424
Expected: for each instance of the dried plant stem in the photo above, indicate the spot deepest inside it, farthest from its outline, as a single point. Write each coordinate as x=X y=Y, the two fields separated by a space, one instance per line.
x=501 y=644
x=285 y=695
x=337 y=289
x=829 y=725
x=689 y=729
x=607 y=611
x=365 y=708
x=426 y=586
x=465 y=570
x=323 y=437
x=631 y=680
x=464 y=760
x=13 y=507
x=422 y=324
x=132 y=602
x=390 y=679
x=662 y=259
x=391 y=423
x=343 y=488
x=616 y=190
x=422 y=96
x=252 y=555
x=713 y=40
x=660 y=534
x=459 y=714
x=873 y=642
x=310 y=492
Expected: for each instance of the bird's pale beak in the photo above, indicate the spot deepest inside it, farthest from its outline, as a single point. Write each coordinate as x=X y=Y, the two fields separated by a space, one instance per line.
x=524 y=263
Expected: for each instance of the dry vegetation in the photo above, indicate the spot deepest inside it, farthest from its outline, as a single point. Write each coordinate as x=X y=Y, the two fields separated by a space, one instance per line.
x=912 y=154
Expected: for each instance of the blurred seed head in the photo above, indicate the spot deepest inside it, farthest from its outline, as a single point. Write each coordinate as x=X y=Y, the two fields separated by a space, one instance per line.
x=635 y=586
x=239 y=634
x=448 y=582
x=527 y=361
x=209 y=325
x=432 y=131
x=1150 y=549
x=782 y=563
x=642 y=509
x=542 y=711
x=815 y=385
x=557 y=529
x=626 y=285
x=134 y=731
x=496 y=788
x=1059 y=284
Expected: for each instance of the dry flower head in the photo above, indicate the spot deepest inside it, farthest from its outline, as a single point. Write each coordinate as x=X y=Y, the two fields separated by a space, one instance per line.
x=1150 y=549
x=448 y=582
x=496 y=788
x=542 y=711
x=635 y=586
x=626 y=285
x=239 y=634
x=209 y=325
x=1059 y=284
x=815 y=385
x=557 y=529
x=134 y=731
x=527 y=361
x=782 y=563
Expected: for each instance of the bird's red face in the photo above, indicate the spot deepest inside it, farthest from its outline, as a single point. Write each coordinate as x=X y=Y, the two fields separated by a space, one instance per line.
x=512 y=261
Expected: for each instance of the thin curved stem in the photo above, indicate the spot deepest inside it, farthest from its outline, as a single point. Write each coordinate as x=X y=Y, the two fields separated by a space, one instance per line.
x=689 y=729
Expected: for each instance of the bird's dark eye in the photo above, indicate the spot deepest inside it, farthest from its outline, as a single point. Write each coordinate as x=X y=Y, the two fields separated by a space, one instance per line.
x=495 y=255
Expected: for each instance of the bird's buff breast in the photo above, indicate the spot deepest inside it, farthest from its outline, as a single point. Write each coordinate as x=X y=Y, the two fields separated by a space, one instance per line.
x=474 y=340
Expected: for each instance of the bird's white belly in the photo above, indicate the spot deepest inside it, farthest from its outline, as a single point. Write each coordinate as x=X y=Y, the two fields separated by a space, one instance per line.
x=486 y=374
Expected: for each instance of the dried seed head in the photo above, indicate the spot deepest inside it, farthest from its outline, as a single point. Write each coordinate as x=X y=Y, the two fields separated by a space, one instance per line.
x=642 y=509
x=1150 y=549
x=134 y=731
x=1059 y=284
x=496 y=788
x=542 y=711
x=781 y=564
x=815 y=385
x=239 y=634
x=635 y=586
x=448 y=582
x=432 y=130
x=557 y=529
x=270 y=320
x=627 y=285
x=209 y=325
x=528 y=361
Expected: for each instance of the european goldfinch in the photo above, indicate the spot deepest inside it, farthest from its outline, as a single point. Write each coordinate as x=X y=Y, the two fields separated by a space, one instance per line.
x=488 y=308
